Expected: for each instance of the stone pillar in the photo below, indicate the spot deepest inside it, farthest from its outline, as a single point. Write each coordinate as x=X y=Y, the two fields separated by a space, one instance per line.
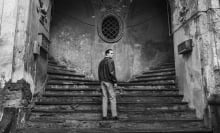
x=8 y=18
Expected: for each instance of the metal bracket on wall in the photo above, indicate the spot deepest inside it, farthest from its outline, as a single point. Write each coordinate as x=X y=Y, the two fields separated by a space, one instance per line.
x=43 y=42
x=185 y=47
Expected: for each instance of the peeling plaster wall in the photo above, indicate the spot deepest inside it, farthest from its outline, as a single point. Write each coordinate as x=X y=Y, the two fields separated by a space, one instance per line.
x=195 y=73
x=36 y=65
x=8 y=15
x=145 y=42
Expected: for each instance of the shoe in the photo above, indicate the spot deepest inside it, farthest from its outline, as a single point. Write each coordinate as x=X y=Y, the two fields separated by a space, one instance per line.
x=104 y=118
x=115 y=118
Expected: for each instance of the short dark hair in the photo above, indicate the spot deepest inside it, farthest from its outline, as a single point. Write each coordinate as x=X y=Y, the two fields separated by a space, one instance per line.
x=108 y=51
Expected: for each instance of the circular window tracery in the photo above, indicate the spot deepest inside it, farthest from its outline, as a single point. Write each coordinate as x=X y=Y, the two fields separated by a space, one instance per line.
x=110 y=28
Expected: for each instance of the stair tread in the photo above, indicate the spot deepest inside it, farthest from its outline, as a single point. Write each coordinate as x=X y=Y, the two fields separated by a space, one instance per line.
x=135 y=124
x=94 y=89
x=98 y=111
x=81 y=102
x=97 y=83
x=61 y=72
x=110 y=130
x=99 y=95
x=149 y=101
x=160 y=70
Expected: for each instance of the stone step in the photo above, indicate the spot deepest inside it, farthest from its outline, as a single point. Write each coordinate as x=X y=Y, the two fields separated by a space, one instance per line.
x=156 y=83
x=147 y=125
x=60 y=72
x=98 y=102
x=121 y=106
x=98 y=98
x=128 y=86
x=121 y=95
x=52 y=62
x=148 y=79
x=68 y=78
x=167 y=64
x=145 y=92
x=162 y=67
x=110 y=130
x=54 y=65
x=60 y=68
x=123 y=115
x=159 y=71
x=151 y=75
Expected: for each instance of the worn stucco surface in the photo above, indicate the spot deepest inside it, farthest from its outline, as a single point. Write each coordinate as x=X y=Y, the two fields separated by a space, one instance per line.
x=8 y=13
x=197 y=72
x=145 y=43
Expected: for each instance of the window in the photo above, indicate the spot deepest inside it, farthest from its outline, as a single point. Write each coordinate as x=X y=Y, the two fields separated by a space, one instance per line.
x=110 y=28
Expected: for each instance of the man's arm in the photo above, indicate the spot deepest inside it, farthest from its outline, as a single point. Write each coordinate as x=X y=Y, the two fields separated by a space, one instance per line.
x=111 y=66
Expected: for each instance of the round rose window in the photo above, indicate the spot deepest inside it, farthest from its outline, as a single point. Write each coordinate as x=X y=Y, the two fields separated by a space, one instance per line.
x=110 y=28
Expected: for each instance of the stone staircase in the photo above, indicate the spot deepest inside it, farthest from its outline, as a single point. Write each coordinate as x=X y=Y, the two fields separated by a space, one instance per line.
x=149 y=103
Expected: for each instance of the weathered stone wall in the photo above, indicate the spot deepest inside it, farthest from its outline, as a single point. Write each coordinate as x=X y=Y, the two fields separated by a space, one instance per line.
x=36 y=62
x=19 y=29
x=145 y=42
x=192 y=19
x=8 y=15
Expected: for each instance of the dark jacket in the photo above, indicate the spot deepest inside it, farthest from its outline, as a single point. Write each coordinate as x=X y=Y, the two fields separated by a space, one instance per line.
x=106 y=70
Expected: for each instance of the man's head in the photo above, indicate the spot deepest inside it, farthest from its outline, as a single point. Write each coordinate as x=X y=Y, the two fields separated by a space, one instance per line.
x=109 y=53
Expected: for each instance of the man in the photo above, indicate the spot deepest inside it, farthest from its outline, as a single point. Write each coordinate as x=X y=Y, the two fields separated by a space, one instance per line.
x=106 y=72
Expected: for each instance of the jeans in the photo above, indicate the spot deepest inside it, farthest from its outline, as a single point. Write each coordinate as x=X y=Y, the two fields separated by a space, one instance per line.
x=108 y=92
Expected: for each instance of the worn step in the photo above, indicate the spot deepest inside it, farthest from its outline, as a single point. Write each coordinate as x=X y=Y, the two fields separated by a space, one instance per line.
x=110 y=130
x=97 y=86
x=167 y=64
x=121 y=95
x=159 y=71
x=60 y=72
x=151 y=75
x=155 y=83
x=136 y=92
x=122 y=114
x=121 y=106
x=98 y=98
x=120 y=103
x=162 y=67
x=148 y=79
x=147 y=125
x=52 y=62
x=169 y=77
x=60 y=68
x=68 y=78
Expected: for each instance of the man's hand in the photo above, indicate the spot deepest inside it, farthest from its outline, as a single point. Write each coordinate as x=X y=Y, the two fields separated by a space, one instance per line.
x=115 y=85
